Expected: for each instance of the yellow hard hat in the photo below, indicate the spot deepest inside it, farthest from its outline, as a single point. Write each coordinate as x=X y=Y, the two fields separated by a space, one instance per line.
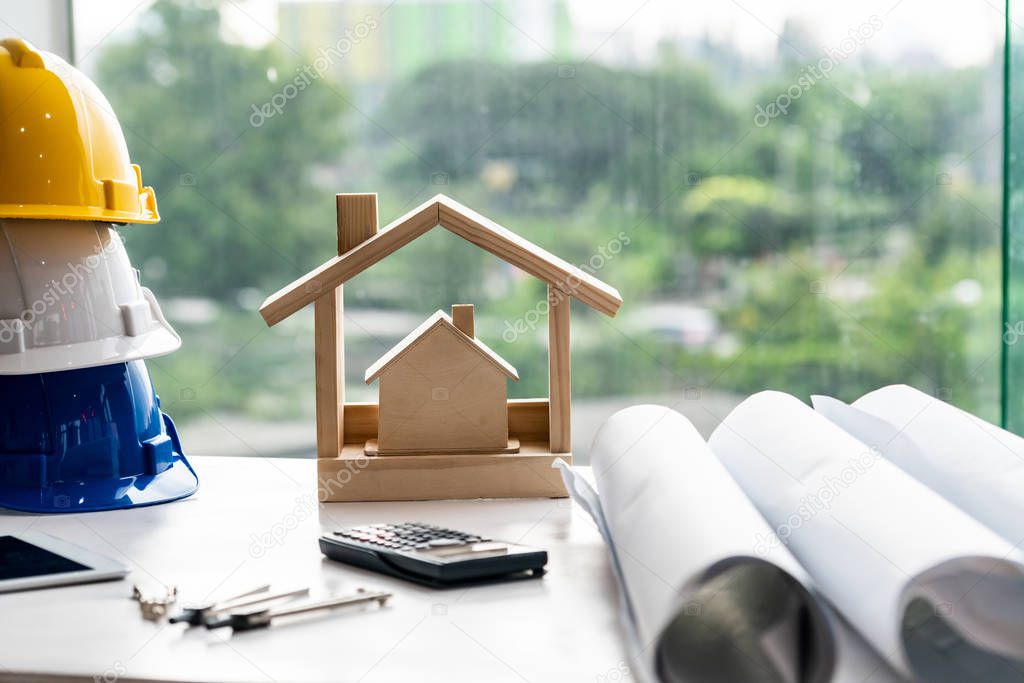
x=62 y=152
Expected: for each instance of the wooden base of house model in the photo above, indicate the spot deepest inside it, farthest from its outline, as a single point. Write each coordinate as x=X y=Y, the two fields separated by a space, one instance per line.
x=355 y=476
x=372 y=448
x=347 y=431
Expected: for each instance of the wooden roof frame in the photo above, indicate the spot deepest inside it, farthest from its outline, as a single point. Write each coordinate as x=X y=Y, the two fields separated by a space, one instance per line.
x=360 y=245
x=442 y=211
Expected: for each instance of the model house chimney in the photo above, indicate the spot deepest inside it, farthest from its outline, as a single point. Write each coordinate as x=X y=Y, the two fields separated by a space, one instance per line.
x=357 y=219
x=462 y=318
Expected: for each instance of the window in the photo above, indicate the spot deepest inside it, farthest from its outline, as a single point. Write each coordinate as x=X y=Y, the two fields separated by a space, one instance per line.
x=1013 y=311
x=793 y=195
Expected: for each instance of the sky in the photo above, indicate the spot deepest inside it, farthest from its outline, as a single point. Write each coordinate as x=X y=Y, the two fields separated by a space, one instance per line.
x=954 y=32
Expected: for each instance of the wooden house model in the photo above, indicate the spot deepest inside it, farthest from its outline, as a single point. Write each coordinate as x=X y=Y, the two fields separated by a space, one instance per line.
x=442 y=390
x=356 y=458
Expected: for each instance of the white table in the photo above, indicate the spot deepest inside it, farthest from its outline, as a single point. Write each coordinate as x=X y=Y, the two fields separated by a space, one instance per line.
x=255 y=521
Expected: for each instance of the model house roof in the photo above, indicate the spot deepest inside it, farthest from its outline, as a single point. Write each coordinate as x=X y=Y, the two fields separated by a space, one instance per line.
x=464 y=222
x=438 y=319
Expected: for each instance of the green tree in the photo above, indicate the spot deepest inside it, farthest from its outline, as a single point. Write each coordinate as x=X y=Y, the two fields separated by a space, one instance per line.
x=238 y=203
x=739 y=216
x=564 y=129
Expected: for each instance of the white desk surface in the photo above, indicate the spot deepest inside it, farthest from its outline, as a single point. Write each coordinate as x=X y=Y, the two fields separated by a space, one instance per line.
x=562 y=627
x=256 y=520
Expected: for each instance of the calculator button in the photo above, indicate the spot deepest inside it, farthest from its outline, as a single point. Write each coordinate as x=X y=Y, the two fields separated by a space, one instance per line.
x=443 y=542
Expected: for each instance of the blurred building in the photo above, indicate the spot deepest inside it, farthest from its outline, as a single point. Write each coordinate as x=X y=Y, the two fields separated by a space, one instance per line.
x=406 y=35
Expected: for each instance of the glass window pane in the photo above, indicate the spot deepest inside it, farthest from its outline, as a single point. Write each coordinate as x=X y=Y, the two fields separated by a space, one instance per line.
x=1013 y=324
x=792 y=195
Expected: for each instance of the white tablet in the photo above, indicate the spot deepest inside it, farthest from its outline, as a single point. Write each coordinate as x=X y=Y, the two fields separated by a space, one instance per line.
x=37 y=560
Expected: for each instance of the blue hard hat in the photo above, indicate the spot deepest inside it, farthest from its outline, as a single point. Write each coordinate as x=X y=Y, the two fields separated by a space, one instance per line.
x=89 y=439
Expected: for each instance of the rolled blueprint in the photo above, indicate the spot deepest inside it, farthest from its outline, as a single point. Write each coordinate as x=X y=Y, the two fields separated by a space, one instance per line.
x=971 y=463
x=934 y=591
x=702 y=604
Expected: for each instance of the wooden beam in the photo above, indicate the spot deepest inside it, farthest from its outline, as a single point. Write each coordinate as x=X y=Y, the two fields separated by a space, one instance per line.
x=538 y=262
x=527 y=420
x=357 y=219
x=560 y=387
x=465 y=223
x=355 y=477
x=328 y=340
x=356 y=259
x=356 y=223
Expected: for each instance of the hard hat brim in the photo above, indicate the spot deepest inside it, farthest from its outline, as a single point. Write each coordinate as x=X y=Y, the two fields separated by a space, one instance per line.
x=75 y=213
x=180 y=481
x=89 y=354
x=176 y=482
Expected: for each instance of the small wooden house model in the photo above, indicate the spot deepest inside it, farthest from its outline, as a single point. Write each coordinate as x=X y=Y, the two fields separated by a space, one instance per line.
x=360 y=455
x=442 y=390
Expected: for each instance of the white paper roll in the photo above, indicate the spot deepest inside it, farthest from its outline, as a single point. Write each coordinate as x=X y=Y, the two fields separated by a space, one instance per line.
x=972 y=463
x=713 y=598
x=934 y=591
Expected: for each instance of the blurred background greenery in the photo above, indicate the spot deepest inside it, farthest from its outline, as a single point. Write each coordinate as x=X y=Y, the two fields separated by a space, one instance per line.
x=850 y=242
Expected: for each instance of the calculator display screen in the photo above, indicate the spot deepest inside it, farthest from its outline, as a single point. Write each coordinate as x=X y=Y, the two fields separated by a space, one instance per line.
x=470 y=551
x=19 y=559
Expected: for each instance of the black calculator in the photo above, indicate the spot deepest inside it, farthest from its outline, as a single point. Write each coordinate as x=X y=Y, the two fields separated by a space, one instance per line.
x=431 y=555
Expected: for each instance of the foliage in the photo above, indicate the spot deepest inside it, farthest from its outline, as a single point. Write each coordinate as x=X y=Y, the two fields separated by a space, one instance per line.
x=565 y=131
x=740 y=216
x=829 y=242
x=239 y=207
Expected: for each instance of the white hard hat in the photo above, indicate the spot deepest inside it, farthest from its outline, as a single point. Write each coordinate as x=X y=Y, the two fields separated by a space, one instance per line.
x=69 y=298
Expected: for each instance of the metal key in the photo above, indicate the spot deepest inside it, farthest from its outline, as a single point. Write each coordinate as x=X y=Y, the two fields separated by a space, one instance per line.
x=154 y=608
x=195 y=614
x=246 y=621
x=218 y=618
